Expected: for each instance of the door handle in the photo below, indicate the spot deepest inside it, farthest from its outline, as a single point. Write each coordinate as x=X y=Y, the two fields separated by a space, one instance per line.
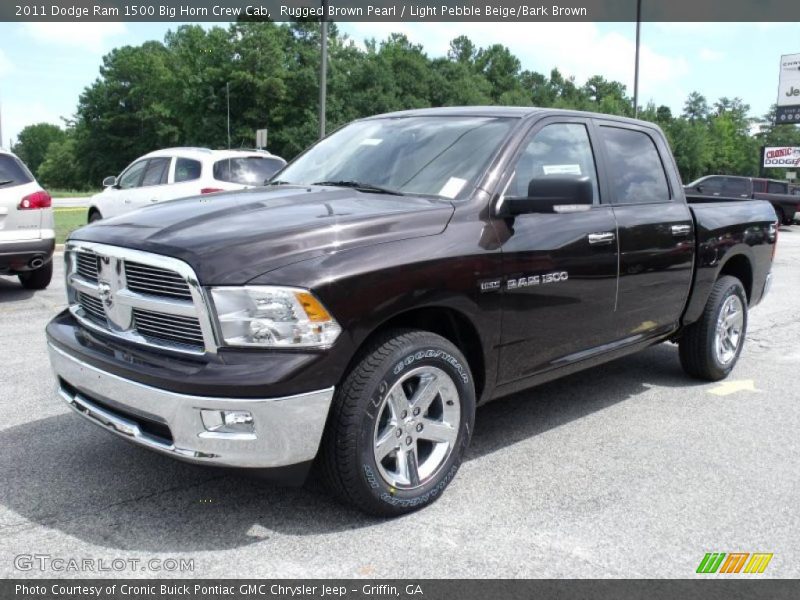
x=127 y=201
x=153 y=199
x=597 y=239
x=681 y=230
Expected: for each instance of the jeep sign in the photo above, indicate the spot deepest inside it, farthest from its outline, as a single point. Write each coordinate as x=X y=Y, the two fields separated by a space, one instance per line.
x=789 y=90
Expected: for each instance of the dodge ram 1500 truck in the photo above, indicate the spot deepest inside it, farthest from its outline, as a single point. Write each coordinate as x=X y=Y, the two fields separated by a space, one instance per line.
x=402 y=271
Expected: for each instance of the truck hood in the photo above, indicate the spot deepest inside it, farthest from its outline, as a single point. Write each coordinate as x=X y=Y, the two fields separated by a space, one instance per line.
x=230 y=238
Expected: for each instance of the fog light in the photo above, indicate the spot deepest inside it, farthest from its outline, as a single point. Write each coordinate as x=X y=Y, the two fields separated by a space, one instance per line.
x=228 y=421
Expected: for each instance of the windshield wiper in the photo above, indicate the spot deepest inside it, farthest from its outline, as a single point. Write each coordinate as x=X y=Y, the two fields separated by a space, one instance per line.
x=5 y=181
x=361 y=187
x=278 y=182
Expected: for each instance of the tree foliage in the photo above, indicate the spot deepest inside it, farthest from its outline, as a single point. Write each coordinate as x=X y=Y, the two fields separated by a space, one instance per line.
x=33 y=141
x=176 y=92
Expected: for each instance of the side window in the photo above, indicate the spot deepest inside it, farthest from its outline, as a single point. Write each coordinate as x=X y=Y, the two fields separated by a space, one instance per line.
x=132 y=177
x=710 y=186
x=635 y=169
x=156 y=172
x=187 y=169
x=735 y=187
x=776 y=187
x=759 y=186
x=561 y=149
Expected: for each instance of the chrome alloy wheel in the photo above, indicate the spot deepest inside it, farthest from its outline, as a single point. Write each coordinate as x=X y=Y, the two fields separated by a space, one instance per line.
x=730 y=323
x=417 y=427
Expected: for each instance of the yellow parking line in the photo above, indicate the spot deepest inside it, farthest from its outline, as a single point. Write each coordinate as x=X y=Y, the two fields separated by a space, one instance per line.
x=726 y=388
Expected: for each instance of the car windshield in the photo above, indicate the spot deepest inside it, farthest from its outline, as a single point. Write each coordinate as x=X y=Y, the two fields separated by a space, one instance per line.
x=432 y=156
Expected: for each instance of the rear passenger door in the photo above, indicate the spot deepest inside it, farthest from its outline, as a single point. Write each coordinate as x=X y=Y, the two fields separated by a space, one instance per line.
x=560 y=268
x=655 y=227
x=186 y=178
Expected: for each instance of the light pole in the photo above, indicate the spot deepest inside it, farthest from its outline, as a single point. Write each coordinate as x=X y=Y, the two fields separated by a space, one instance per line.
x=323 y=70
x=636 y=66
x=228 y=99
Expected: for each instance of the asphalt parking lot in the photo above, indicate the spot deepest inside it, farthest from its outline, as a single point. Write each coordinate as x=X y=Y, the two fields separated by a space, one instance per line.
x=628 y=470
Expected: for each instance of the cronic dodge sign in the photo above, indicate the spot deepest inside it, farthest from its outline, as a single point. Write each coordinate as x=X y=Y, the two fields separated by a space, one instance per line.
x=782 y=156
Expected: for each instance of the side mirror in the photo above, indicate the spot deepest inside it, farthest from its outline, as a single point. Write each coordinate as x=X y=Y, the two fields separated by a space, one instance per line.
x=110 y=181
x=551 y=194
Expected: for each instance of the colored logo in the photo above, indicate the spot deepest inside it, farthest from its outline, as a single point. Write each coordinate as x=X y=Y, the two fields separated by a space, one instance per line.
x=734 y=562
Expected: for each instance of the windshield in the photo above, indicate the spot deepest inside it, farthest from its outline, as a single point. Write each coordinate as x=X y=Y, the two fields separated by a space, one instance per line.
x=435 y=156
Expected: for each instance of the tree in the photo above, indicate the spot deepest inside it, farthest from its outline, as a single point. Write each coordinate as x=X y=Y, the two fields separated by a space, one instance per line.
x=61 y=167
x=33 y=141
x=696 y=107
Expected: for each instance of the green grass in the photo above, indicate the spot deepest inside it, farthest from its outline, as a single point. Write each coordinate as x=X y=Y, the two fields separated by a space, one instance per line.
x=69 y=194
x=68 y=220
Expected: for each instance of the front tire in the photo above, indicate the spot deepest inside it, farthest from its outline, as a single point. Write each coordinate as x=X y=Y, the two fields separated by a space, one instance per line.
x=94 y=216
x=710 y=348
x=400 y=424
x=37 y=279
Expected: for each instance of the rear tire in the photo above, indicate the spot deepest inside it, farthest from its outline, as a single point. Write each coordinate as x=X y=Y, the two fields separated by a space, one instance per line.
x=710 y=348
x=400 y=424
x=37 y=279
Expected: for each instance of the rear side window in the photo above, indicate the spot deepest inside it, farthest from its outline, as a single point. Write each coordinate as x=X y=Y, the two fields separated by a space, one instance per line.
x=636 y=172
x=13 y=172
x=156 y=171
x=735 y=187
x=776 y=187
x=187 y=169
x=248 y=170
x=759 y=186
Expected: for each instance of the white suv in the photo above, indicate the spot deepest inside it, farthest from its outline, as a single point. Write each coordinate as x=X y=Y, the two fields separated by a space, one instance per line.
x=27 y=235
x=180 y=172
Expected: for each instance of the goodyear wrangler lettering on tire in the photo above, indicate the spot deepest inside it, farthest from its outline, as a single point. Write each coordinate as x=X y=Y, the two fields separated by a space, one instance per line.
x=409 y=360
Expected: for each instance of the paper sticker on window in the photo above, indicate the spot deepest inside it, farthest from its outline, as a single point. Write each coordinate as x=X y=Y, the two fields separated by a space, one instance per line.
x=562 y=169
x=370 y=142
x=452 y=187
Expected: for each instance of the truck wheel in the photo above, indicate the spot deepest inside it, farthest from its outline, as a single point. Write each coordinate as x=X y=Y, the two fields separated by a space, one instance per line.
x=400 y=424
x=710 y=347
x=94 y=216
x=37 y=279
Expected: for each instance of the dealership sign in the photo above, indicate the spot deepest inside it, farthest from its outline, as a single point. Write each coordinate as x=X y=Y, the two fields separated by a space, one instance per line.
x=782 y=156
x=789 y=90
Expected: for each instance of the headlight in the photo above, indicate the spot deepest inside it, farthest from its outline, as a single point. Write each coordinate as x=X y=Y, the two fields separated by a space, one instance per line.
x=273 y=316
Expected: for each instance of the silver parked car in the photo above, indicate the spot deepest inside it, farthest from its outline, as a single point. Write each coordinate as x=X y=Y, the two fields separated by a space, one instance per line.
x=27 y=234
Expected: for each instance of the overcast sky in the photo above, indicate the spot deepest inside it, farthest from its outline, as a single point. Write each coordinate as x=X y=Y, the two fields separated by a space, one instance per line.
x=45 y=66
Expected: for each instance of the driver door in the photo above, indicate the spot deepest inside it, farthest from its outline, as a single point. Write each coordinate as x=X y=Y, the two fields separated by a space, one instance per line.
x=560 y=269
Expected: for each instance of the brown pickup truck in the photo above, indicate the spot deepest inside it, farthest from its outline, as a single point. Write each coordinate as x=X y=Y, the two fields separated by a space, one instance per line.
x=784 y=200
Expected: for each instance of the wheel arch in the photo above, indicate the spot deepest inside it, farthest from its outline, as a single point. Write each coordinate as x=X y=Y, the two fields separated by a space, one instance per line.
x=93 y=209
x=739 y=265
x=448 y=322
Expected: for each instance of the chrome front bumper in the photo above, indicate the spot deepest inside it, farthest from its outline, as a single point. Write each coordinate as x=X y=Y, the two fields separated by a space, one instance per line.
x=287 y=431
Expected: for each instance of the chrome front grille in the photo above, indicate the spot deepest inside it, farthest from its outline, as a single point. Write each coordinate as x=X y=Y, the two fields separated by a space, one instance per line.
x=169 y=328
x=87 y=266
x=93 y=307
x=138 y=296
x=155 y=281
